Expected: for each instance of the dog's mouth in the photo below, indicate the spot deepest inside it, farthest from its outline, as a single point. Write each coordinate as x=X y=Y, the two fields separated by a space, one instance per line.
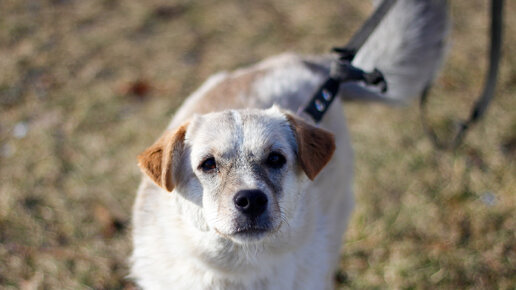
x=250 y=232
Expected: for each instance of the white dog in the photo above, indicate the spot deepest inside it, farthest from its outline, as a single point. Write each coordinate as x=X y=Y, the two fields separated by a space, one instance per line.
x=240 y=193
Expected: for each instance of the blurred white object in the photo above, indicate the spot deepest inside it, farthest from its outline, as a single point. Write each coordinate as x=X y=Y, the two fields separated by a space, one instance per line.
x=20 y=130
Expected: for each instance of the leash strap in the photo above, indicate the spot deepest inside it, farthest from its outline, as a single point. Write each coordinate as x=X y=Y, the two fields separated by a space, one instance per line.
x=483 y=101
x=361 y=36
x=343 y=71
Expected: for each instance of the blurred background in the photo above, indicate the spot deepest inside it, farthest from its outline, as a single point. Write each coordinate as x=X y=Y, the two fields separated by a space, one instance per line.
x=87 y=85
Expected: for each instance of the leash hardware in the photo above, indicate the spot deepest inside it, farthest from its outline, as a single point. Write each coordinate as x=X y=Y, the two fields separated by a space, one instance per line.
x=341 y=71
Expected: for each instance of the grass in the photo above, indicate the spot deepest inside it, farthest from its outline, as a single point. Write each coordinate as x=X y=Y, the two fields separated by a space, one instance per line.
x=86 y=85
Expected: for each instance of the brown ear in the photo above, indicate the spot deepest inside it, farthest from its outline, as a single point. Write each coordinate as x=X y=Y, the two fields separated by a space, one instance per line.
x=156 y=161
x=315 y=146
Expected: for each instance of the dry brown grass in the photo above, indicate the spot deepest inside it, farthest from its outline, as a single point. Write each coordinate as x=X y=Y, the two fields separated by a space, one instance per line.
x=71 y=126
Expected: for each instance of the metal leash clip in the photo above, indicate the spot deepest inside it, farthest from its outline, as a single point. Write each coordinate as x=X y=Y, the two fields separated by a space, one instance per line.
x=341 y=71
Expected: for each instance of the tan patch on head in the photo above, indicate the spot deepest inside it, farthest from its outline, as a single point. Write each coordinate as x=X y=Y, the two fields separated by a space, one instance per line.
x=157 y=160
x=315 y=146
x=230 y=93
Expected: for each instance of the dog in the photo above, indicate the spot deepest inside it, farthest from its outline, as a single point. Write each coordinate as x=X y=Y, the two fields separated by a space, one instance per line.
x=242 y=193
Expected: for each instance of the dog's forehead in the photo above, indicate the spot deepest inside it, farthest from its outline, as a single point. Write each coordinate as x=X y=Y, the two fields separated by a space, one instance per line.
x=234 y=131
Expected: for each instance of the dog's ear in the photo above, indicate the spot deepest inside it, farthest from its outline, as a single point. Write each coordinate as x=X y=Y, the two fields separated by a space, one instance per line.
x=157 y=160
x=315 y=145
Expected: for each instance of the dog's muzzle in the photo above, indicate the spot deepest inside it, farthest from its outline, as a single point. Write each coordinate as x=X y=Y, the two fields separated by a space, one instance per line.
x=254 y=221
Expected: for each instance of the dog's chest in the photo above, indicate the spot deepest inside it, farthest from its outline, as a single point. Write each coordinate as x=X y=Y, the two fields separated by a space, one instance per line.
x=305 y=268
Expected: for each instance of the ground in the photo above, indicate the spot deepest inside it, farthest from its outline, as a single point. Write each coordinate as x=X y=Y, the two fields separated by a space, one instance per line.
x=87 y=85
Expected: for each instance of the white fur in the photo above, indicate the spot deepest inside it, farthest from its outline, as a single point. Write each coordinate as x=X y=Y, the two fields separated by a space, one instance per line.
x=182 y=239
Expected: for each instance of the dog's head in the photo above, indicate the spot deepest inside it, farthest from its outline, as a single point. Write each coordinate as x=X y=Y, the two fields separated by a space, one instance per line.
x=245 y=170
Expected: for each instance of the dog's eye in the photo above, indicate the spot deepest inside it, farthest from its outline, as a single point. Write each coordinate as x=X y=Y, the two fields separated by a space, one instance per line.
x=276 y=160
x=208 y=164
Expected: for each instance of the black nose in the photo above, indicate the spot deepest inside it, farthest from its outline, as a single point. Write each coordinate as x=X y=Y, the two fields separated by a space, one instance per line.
x=251 y=202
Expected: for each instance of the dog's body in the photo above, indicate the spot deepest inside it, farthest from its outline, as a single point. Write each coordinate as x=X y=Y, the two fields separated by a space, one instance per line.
x=304 y=250
x=258 y=201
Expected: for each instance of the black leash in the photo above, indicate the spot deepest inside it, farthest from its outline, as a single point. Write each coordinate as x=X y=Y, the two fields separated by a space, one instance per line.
x=343 y=71
x=480 y=107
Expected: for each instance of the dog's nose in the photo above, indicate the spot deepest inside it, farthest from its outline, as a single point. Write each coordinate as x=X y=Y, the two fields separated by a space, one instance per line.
x=251 y=202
